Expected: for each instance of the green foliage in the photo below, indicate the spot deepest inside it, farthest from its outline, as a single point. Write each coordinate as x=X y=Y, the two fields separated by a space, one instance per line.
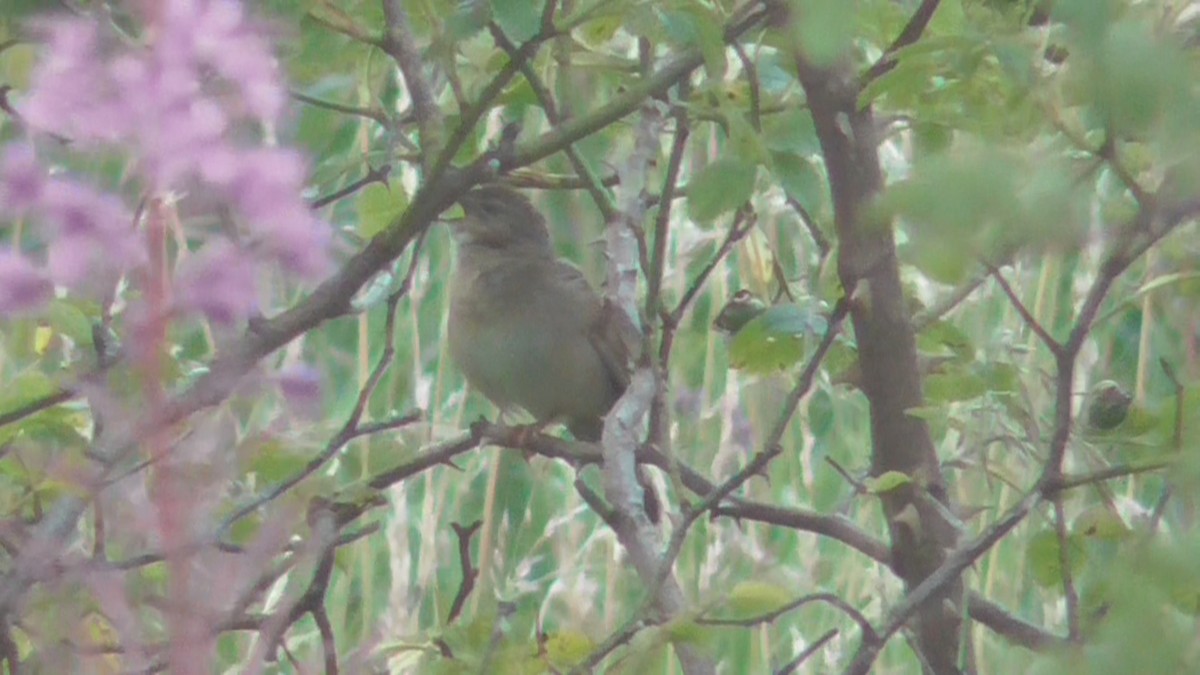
x=776 y=339
x=721 y=187
x=1044 y=557
x=993 y=151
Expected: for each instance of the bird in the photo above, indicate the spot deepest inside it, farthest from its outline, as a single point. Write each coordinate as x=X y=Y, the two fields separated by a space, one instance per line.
x=526 y=328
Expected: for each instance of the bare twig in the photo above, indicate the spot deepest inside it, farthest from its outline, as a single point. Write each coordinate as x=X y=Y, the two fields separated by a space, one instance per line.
x=791 y=666
x=398 y=42
x=469 y=572
x=1064 y=564
x=830 y=599
x=945 y=574
x=911 y=33
x=379 y=175
x=1027 y=316
x=374 y=113
x=591 y=182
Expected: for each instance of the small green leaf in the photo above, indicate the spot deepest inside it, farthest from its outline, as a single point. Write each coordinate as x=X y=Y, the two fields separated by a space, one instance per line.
x=1001 y=378
x=954 y=385
x=826 y=28
x=694 y=25
x=1044 y=561
x=272 y=462
x=68 y=319
x=378 y=207
x=942 y=335
x=775 y=339
x=520 y=19
x=799 y=178
x=24 y=389
x=821 y=414
x=720 y=187
x=600 y=30
x=1100 y=522
x=792 y=131
x=756 y=598
x=886 y=482
x=567 y=649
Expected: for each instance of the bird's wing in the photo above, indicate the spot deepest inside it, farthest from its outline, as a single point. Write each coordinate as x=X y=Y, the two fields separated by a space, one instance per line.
x=617 y=340
x=613 y=335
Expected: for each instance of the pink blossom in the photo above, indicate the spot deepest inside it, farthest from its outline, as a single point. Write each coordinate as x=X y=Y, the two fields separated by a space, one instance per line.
x=181 y=104
x=94 y=237
x=23 y=287
x=301 y=387
x=219 y=282
x=22 y=179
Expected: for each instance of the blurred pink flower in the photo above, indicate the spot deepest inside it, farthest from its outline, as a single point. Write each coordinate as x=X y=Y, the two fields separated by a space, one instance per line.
x=94 y=238
x=23 y=287
x=219 y=282
x=301 y=387
x=180 y=106
x=22 y=179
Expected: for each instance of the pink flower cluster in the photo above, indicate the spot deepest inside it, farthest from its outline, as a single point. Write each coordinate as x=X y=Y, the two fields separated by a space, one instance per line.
x=185 y=105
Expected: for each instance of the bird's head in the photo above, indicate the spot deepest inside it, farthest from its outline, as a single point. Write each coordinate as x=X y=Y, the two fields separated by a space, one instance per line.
x=500 y=218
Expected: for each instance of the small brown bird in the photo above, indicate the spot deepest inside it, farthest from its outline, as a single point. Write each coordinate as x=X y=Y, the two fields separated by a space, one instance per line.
x=526 y=327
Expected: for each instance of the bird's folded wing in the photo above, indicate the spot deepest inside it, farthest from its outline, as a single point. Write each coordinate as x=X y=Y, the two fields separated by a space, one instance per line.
x=612 y=333
x=617 y=340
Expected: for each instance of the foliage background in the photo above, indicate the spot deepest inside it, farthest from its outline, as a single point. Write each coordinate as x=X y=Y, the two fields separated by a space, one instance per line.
x=998 y=149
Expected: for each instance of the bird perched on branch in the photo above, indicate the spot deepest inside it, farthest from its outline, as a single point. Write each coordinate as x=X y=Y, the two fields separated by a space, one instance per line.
x=526 y=328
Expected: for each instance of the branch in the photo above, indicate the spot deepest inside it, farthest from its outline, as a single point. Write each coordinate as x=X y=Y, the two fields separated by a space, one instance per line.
x=1026 y=316
x=469 y=572
x=912 y=32
x=398 y=42
x=591 y=182
x=379 y=175
x=946 y=574
x=332 y=297
x=792 y=665
x=376 y=114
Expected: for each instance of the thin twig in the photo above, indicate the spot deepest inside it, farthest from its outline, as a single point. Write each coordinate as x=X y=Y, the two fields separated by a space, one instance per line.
x=791 y=666
x=469 y=572
x=398 y=42
x=1064 y=565
x=374 y=175
x=590 y=180
x=375 y=114
x=1053 y=345
x=911 y=33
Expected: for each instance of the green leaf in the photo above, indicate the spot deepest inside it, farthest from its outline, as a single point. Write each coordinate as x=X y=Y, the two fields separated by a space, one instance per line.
x=694 y=25
x=600 y=30
x=826 y=28
x=378 y=207
x=1100 y=522
x=1002 y=378
x=24 y=389
x=954 y=385
x=943 y=335
x=67 y=318
x=821 y=414
x=272 y=461
x=775 y=339
x=567 y=649
x=1045 y=564
x=520 y=19
x=799 y=178
x=792 y=131
x=750 y=599
x=719 y=188
x=886 y=482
